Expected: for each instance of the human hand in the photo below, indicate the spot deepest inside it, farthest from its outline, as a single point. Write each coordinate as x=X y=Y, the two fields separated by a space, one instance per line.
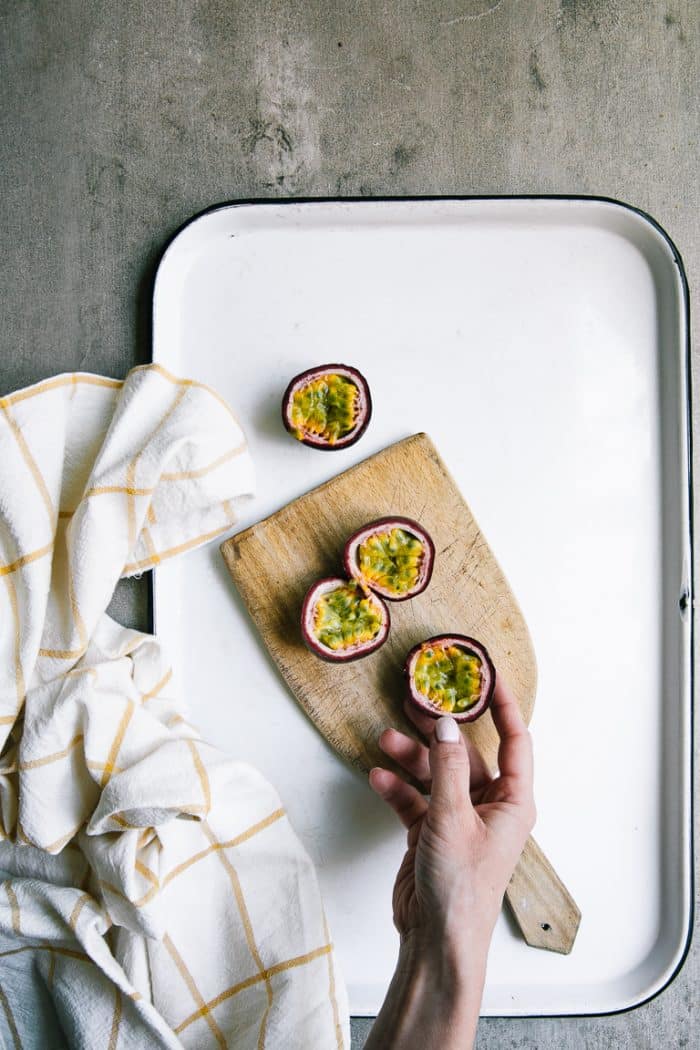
x=463 y=845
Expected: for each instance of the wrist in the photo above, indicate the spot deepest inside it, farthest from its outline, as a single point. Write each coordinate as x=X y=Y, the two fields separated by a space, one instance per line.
x=434 y=998
x=453 y=962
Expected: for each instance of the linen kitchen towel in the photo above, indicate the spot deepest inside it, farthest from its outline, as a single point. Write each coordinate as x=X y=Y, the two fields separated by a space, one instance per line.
x=153 y=893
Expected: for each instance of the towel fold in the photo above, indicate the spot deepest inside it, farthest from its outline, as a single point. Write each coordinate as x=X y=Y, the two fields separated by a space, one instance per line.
x=153 y=893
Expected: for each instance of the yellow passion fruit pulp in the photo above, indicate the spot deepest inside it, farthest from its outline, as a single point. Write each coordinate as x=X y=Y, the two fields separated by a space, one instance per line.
x=391 y=559
x=326 y=407
x=346 y=617
x=449 y=677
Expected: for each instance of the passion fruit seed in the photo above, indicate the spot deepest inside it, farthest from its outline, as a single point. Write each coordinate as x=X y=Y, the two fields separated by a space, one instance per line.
x=326 y=407
x=346 y=617
x=391 y=559
x=449 y=677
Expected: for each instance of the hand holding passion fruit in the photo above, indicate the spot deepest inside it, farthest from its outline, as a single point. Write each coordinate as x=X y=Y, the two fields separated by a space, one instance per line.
x=464 y=842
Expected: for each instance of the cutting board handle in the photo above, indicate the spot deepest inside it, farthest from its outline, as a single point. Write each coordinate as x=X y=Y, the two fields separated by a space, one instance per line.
x=542 y=906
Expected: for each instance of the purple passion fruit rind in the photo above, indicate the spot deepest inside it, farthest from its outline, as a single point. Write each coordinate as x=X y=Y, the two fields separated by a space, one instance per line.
x=392 y=557
x=450 y=674
x=328 y=407
x=341 y=622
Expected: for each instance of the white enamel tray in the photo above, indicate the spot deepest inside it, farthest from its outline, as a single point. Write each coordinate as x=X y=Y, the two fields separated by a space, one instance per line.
x=542 y=343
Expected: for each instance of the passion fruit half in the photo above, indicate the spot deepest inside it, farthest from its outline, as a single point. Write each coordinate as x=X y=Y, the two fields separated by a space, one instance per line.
x=341 y=622
x=450 y=674
x=327 y=407
x=392 y=557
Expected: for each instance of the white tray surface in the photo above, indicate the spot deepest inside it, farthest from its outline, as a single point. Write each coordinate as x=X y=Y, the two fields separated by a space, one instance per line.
x=540 y=344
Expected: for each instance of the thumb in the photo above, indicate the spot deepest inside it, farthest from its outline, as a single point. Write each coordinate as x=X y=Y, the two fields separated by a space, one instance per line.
x=449 y=765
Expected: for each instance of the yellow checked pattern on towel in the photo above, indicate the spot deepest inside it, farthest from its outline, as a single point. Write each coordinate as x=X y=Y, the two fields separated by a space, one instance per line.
x=153 y=893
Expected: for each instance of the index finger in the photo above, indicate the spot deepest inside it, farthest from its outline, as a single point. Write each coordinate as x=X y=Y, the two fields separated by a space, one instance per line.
x=515 y=748
x=423 y=723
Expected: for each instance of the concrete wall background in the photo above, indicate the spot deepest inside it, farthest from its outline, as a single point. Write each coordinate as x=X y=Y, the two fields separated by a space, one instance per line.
x=120 y=121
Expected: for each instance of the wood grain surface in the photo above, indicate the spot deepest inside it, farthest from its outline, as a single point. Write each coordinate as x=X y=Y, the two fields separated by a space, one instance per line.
x=275 y=561
x=543 y=908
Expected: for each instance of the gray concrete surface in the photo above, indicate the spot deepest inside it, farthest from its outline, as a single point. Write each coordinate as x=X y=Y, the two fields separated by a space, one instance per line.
x=119 y=121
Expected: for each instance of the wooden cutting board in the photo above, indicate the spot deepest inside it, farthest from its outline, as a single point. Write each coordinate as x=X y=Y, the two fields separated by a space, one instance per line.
x=274 y=562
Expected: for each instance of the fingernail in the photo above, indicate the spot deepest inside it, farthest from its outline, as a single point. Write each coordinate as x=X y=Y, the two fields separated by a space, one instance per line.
x=447 y=730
